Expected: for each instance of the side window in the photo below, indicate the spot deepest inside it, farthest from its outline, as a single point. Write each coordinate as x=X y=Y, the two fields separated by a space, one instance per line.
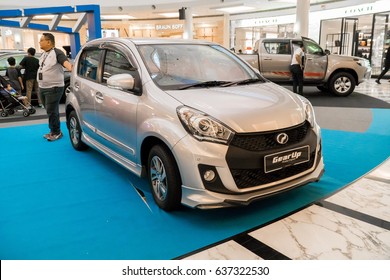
x=116 y=63
x=313 y=48
x=277 y=47
x=88 y=64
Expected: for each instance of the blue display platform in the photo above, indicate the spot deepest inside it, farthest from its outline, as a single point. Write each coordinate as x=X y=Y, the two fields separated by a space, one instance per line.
x=57 y=203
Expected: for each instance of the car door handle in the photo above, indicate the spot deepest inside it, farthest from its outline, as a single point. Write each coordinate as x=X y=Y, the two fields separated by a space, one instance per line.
x=76 y=86
x=99 y=96
x=309 y=59
x=267 y=58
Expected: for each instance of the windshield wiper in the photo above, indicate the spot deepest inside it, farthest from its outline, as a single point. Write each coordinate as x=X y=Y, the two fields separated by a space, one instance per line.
x=206 y=84
x=244 y=82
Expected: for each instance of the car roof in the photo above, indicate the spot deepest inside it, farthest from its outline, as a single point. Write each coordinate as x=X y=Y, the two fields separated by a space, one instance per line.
x=148 y=41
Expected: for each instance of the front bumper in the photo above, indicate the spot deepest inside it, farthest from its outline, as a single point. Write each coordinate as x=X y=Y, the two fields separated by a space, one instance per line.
x=227 y=190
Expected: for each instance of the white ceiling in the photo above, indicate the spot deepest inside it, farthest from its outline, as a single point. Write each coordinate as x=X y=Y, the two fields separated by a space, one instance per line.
x=147 y=9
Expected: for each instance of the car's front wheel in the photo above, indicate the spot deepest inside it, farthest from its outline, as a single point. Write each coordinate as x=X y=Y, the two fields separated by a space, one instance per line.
x=164 y=178
x=342 y=84
x=75 y=132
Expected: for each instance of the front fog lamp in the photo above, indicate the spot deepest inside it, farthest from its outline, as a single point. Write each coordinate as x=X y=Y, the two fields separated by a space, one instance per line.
x=209 y=175
x=202 y=126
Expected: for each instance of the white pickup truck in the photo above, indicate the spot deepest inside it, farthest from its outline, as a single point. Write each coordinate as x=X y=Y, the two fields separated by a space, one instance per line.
x=334 y=73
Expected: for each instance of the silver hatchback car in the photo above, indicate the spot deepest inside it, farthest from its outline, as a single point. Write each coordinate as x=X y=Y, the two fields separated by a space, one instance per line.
x=203 y=126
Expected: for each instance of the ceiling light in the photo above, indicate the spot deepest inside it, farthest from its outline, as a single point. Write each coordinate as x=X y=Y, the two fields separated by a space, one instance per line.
x=170 y=15
x=235 y=9
x=116 y=17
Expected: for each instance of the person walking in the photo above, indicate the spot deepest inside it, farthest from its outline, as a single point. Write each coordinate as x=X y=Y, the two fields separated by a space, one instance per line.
x=31 y=64
x=51 y=82
x=387 y=66
x=296 y=69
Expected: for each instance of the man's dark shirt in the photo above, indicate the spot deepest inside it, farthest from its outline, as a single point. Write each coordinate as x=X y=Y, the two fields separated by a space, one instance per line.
x=31 y=65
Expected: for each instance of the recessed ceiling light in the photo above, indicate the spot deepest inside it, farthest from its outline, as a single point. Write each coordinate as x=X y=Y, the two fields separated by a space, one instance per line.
x=235 y=9
x=170 y=15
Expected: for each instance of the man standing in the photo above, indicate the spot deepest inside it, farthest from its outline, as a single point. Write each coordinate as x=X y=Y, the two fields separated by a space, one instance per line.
x=31 y=64
x=51 y=82
x=296 y=69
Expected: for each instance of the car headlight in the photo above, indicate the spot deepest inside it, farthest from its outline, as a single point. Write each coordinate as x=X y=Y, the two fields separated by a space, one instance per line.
x=309 y=111
x=202 y=126
x=362 y=62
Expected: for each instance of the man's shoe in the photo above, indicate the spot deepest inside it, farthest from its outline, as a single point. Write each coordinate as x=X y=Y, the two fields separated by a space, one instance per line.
x=54 y=137
x=377 y=81
x=47 y=135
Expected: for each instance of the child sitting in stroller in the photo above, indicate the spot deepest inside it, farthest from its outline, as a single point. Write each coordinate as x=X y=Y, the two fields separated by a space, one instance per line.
x=11 y=100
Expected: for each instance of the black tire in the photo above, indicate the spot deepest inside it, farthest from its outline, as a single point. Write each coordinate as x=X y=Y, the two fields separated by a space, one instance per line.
x=26 y=114
x=32 y=111
x=323 y=88
x=4 y=114
x=75 y=132
x=342 y=84
x=164 y=178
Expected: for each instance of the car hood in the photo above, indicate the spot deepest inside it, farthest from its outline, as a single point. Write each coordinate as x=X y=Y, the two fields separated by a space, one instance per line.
x=251 y=108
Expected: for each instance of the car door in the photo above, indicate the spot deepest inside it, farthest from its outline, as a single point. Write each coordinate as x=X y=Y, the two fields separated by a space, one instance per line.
x=85 y=84
x=316 y=61
x=116 y=109
x=275 y=59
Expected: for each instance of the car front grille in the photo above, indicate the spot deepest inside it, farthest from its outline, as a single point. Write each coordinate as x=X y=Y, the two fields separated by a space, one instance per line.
x=267 y=140
x=246 y=178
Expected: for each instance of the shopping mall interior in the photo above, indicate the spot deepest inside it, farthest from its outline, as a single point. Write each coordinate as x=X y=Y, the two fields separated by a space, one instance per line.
x=60 y=204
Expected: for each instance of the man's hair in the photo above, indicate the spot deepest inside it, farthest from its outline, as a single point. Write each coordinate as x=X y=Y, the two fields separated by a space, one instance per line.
x=31 y=51
x=50 y=37
x=11 y=61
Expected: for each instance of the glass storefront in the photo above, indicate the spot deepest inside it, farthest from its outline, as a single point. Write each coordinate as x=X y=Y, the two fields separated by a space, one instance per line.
x=246 y=37
x=365 y=36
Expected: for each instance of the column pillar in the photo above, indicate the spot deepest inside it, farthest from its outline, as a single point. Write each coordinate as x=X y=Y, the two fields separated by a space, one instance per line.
x=301 y=27
x=188 y=25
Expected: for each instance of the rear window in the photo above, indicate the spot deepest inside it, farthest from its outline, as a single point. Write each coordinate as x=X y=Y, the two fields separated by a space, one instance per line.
x=277 y=47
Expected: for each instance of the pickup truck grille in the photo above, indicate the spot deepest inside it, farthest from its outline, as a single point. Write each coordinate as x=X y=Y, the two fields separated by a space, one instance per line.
x=246 y=178
x=266 y=140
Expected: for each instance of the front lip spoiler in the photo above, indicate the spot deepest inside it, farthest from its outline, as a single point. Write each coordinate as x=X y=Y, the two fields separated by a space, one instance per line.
x=239 y=203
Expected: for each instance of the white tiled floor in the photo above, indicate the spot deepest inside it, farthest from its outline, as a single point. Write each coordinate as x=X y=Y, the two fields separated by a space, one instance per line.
x=320 y=233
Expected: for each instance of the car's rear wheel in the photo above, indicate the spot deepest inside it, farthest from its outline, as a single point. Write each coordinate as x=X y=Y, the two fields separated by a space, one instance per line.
x=164 y=178
x=75 y=132
x=342 y=84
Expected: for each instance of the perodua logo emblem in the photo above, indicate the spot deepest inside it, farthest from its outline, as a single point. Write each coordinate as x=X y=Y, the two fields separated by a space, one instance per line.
x=282 y=138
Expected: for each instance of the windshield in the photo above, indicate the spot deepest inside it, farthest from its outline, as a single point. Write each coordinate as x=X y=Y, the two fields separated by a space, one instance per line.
x=177 y=66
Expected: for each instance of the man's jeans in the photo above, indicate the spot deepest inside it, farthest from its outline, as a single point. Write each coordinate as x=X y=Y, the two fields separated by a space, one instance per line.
x=50 y=98
x=297 y=75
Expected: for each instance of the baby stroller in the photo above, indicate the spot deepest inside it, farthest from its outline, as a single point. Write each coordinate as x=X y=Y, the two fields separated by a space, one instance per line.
x=10 y=102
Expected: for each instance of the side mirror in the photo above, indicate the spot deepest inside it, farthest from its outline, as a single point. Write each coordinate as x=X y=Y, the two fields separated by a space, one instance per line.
x=121 y=81
x=327 y=52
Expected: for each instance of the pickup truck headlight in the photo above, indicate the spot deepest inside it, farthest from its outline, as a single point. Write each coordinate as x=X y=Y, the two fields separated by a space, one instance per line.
x=362 y=62
x=202 y=126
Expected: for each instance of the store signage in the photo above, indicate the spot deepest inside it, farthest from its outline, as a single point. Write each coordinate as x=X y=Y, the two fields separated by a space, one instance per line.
x=359 y=10
x=169 y=26
x=264 y=21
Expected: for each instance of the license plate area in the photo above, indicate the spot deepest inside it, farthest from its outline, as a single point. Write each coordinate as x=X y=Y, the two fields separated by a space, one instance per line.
x=286 y=158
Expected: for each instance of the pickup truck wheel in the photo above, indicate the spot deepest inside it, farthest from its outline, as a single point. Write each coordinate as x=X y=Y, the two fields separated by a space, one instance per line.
x=75 y=132
x=164 y=178
x=342 y=84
